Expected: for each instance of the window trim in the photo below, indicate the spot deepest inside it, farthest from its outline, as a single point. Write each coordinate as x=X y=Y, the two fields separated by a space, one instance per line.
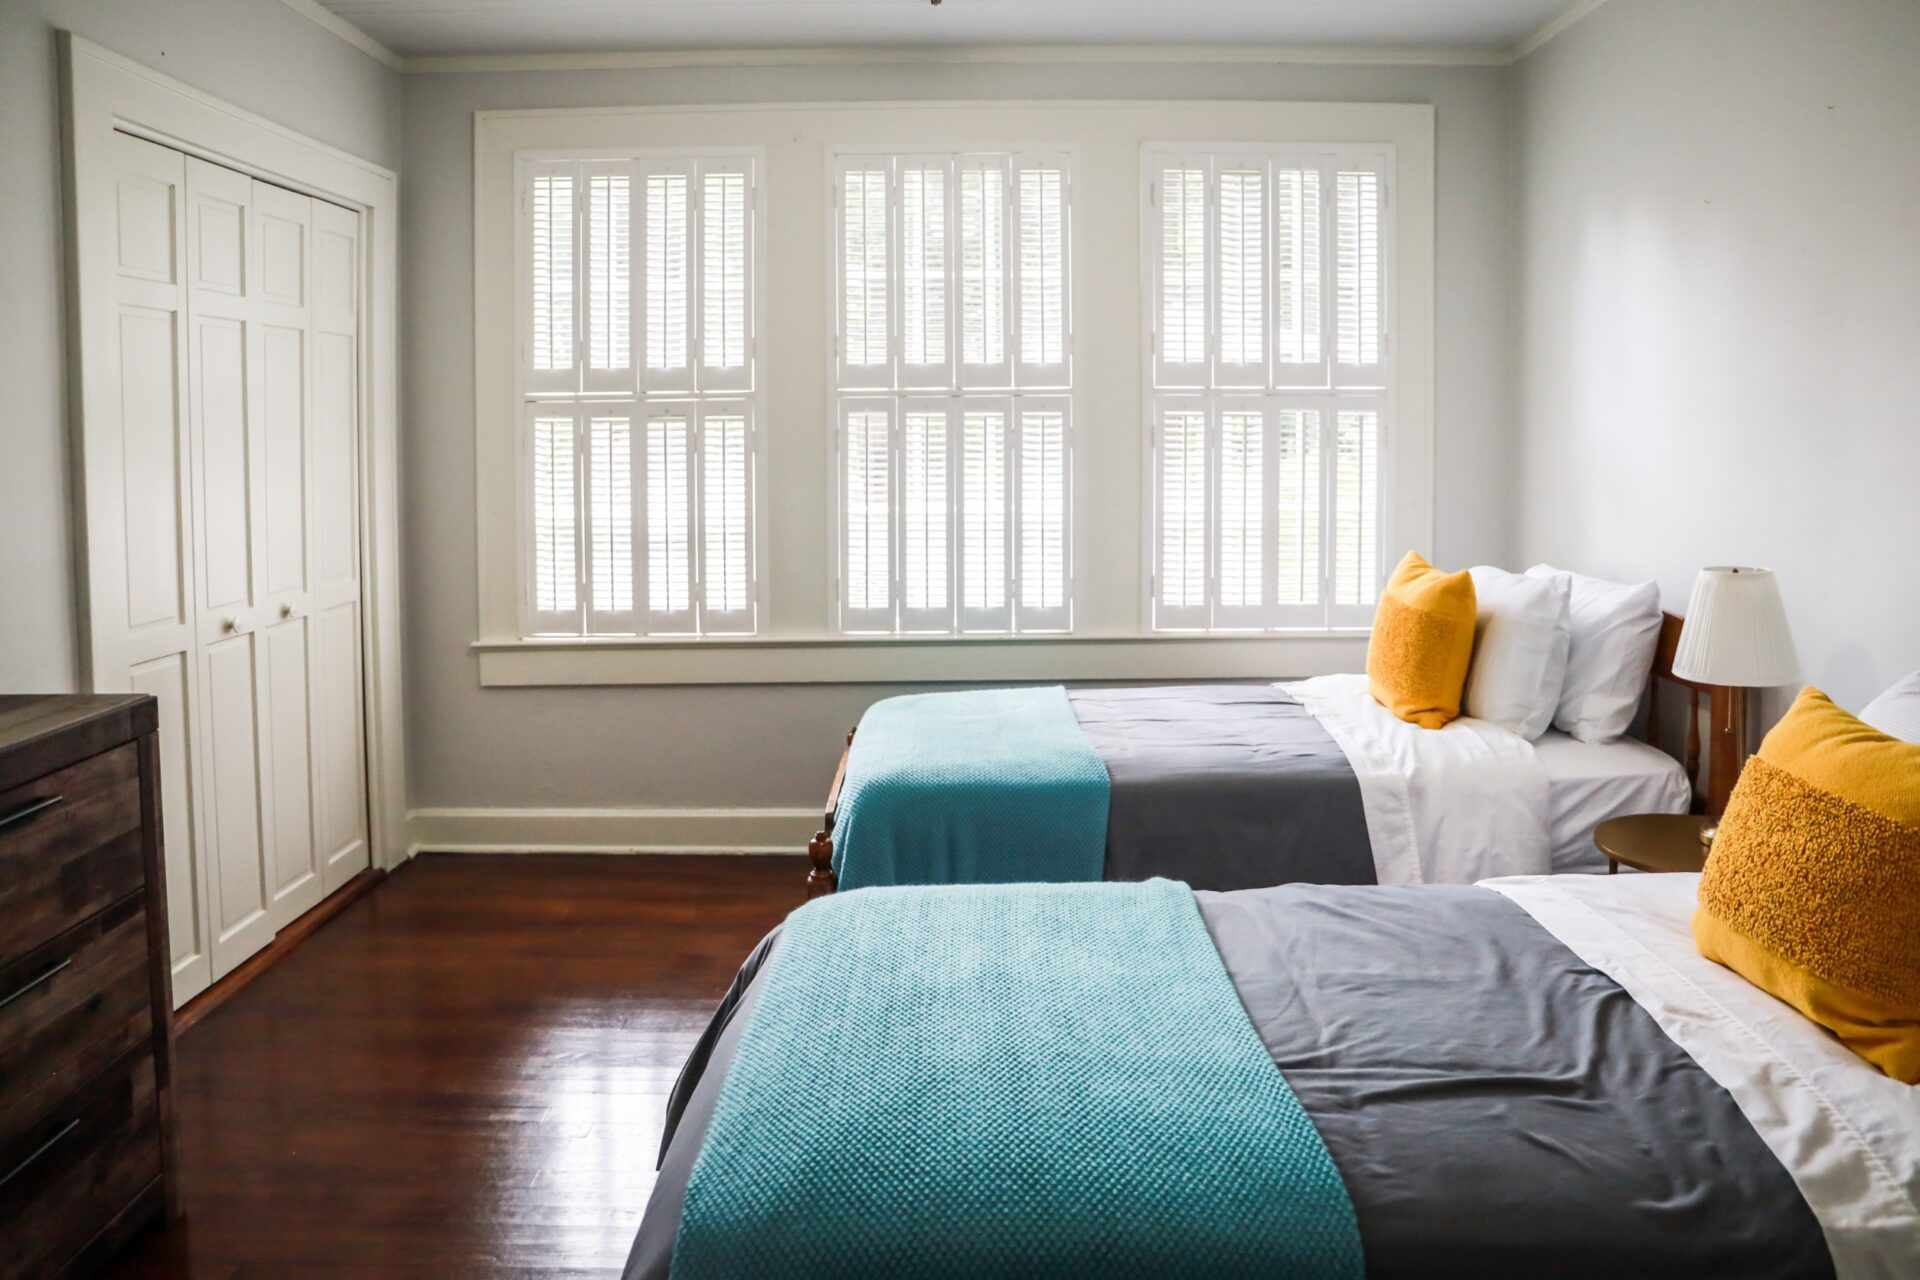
x=637 y=398
x=1402 y=450
x=1020 y=385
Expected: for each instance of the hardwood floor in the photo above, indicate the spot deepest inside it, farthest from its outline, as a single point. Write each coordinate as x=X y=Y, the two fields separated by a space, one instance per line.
x=462 y=1075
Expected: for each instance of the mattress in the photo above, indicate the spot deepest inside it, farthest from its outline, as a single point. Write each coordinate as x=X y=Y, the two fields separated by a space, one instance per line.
x=1590 y=782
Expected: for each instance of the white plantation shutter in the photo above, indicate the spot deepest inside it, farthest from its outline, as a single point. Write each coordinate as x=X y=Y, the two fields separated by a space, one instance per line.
x=726 y=265
x=1359 y=338
x=1295 y=451
x=1240 y=286
x=553 y=544
x=1355 y=518
x=1042 y=264
x=866 y=570
x=1180 y=455
x=608 y=293
x=986 y=600
x=1271 y=382
x=552 y=286
x=1242 y=506
x=924 y=352
x=726 y=520
x=667 y=310
x=1044 y=470
x=983 y=272
x=669 y=471
x=1180 y=355
x=610 y=517
x=865 y=285
x=1299 y=267
x=926 y=499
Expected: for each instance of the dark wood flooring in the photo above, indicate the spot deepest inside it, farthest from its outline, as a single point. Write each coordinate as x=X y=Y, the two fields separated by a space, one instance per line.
x=461 y=1075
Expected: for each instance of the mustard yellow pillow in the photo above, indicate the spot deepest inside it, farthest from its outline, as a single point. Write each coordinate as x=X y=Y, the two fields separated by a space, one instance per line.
x=1812 y=890
x=1422 y=642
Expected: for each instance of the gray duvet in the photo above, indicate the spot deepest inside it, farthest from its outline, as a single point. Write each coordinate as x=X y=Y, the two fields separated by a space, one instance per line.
x=1224 y=787
x=1496 y=1106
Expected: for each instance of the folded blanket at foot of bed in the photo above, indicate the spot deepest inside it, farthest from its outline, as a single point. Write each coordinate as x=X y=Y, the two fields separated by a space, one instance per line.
x=998 y=1080
x=986 y=786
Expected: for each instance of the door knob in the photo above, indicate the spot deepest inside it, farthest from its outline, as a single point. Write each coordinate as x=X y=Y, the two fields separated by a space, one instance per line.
x=288 y=611
x=232 y=626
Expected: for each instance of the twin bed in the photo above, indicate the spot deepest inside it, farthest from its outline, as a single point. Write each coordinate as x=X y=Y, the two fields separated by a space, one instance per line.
x=1530 y=1075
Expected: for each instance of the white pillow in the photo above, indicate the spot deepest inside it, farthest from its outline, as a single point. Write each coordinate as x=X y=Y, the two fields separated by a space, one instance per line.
x=1520 y=642
x=1614 y=627
x=1896 y=712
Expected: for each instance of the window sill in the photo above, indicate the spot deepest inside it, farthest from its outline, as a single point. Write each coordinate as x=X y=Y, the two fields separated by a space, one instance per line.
x=940 y=659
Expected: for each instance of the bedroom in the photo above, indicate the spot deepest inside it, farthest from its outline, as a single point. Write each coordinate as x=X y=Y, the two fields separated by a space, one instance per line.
x=1619 y=288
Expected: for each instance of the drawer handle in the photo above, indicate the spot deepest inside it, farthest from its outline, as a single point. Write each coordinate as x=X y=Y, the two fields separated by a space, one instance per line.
x=45 y=1147
x=50 y=971
x=27 y=811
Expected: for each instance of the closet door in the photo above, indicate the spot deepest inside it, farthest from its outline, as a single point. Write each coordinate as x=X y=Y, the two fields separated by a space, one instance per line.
x=144 y=634
x=229 y=479
x=338 y=742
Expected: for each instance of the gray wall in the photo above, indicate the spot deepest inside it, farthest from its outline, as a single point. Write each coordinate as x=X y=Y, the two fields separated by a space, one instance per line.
x=775 y=746
x=257 y=55
x=1720 y=311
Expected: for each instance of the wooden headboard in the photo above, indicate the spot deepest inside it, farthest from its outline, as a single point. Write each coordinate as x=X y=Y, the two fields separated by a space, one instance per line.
x=1726 y=725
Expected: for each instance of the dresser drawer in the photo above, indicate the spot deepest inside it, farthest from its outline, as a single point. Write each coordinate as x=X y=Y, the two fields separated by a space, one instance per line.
x=70 y=845
x=71 y=1008
x=68 y=1176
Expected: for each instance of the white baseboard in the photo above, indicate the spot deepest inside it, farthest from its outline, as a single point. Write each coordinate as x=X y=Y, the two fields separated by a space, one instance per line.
x=611 y=830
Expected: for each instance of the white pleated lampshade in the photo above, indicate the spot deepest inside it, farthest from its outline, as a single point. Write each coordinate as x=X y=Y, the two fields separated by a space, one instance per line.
x=1735 y=632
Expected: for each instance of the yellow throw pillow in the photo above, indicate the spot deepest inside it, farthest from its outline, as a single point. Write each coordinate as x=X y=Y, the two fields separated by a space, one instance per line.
x=1812 y=891
x=1422 y=642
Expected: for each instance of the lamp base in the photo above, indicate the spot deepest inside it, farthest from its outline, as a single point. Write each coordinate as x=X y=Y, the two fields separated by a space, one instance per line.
x=1707 y=833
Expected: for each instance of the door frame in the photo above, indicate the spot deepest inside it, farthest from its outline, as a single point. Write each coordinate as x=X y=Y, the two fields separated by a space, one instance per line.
x=102 y=94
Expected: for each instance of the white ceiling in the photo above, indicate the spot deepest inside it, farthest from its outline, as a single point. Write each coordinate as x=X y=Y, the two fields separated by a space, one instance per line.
x=434 y=28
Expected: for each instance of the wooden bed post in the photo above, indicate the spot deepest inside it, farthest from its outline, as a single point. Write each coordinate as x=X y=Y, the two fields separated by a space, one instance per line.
x=820 y=876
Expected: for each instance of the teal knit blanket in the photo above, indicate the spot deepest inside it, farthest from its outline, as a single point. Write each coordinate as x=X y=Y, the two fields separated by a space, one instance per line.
x=996 y=1081
x=988 y=786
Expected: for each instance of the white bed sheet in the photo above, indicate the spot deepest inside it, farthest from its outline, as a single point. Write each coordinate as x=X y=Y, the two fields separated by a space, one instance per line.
x=1589 y=782
x=1847 y=1133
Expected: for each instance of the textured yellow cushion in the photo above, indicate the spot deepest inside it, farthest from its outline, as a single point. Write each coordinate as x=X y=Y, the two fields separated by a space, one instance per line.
x=1812 y=891
x=1422 y=642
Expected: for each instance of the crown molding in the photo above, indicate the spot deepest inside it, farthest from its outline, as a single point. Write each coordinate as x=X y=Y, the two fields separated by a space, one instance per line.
x=664 y=59
x=314 y=12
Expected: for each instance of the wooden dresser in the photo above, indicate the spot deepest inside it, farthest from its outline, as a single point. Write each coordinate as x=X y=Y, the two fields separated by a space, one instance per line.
x=86 y=1023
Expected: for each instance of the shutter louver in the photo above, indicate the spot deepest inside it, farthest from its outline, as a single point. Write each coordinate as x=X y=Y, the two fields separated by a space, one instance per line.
x=724 y=267
x=867 y=576
x=923 y=276
x=984 y=600
x=610 y=523
x=669 y=501
x=983 y=275
x=1182 y=572
x=1182 y=357
x=1043 y=518
x=726 y=517
x=1241 y=532
x=1296 y=455
x=551 y=340
x=863 y=281
x=1357 y=268
x=1043 y=277
x=1356 y=515
x=1297 y=272
x=1242 y=288
x=669 y=293
x=609 y=293
x=925 y=500
x=554 y=547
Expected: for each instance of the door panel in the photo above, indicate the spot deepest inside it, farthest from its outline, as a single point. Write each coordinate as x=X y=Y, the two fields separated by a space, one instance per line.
x=150 y=430
x=226 y=470
x=234 y=804
x=283 y=436
x=294 y=872
x=169 y=680
x=336 y=524
x=341 y=794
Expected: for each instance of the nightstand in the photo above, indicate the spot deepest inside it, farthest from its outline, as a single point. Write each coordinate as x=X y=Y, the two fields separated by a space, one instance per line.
x=1653 y=842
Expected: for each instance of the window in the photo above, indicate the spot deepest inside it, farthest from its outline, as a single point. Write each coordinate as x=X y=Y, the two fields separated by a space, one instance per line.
x=953 y=391
x=1270 y=383
x=640 y=437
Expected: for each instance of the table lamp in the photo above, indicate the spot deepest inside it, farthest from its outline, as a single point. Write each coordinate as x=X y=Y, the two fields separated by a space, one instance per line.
x=1735 y=634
